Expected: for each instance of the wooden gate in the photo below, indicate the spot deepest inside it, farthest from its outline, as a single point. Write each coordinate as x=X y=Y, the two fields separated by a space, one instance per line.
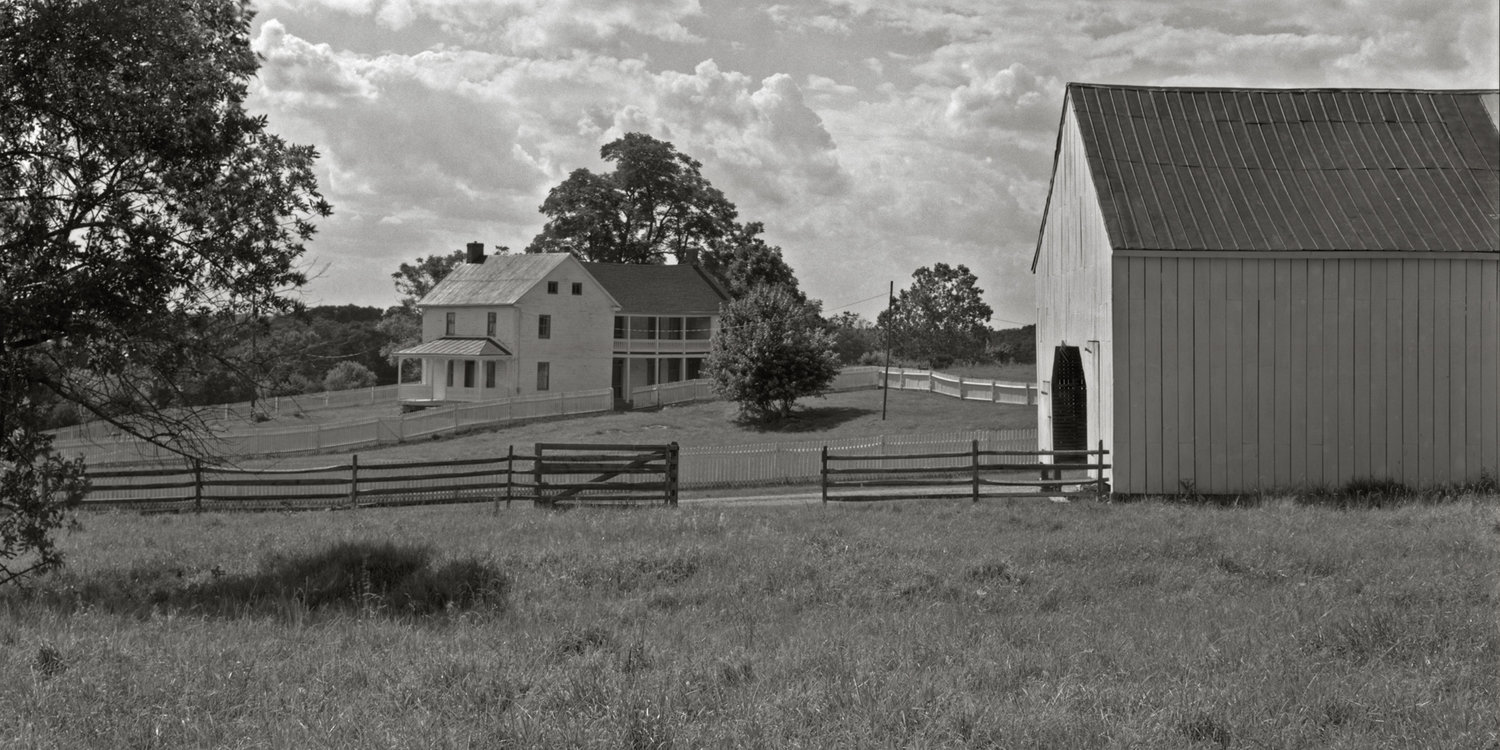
x=569 y=474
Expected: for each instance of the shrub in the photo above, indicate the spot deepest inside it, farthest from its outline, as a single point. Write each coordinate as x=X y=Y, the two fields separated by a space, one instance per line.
x=346 y=375
x=769 y=351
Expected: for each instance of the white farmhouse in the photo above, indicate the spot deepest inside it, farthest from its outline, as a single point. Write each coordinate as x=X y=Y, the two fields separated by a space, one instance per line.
x=509 y=325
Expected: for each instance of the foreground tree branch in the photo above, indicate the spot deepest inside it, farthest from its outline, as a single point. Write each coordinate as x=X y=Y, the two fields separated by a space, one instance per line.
x=144 y=218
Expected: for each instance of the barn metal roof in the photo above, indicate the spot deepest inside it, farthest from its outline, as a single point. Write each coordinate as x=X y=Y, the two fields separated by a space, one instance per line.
x=457 y=347
x=499 y=280
x=1293 y=169
x=659 y=290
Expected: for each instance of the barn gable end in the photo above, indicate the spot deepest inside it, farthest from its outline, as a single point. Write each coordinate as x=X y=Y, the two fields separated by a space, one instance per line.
x=1302 y=284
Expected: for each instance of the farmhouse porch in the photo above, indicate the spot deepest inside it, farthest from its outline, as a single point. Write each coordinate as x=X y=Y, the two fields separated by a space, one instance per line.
x=457 y=370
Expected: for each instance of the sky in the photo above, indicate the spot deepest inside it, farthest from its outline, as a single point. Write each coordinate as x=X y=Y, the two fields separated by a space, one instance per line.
x=870 y=138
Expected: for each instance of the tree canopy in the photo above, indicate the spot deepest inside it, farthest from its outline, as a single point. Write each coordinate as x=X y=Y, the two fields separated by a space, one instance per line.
x=656 y=206
x=940 y=318
x=402 y=324
x=742 y=260
x=770 y=350
x=145 y=219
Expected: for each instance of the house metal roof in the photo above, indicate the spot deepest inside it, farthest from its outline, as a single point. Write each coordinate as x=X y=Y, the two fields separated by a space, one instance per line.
x=457 y=347
x=1293 y=169
x=499 y=280
x=659 y=290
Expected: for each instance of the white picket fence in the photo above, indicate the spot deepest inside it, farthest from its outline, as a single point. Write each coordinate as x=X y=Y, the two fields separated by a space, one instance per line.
x=666 y=394
x=357 y=434
x=271 y=405
x=957 y=386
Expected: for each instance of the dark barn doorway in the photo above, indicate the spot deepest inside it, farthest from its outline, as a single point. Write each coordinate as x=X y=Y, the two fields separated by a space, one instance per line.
x=1070 y=406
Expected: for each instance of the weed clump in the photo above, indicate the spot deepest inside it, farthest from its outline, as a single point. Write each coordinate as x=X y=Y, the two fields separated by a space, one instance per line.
x=382 y=576
x=365 y=577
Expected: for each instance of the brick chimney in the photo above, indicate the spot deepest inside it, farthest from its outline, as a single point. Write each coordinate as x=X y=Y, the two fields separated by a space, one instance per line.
x=476 y=252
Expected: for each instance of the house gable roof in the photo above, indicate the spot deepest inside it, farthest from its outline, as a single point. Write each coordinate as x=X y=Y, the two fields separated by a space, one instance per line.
x=659 y=290
x=499 y=280
x=1292 y=169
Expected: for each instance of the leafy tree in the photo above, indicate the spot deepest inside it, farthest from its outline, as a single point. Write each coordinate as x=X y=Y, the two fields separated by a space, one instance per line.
x=346 y=375
x=402 y=324
x=742 y=260
x=853 y=337
x=415 y=280
x=769 y=351
x=145 y=220
x=940 y=318
x=654 y=205
x=1013 y=344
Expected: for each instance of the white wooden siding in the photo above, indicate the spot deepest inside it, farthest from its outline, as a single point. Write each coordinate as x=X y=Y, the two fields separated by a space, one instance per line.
x=1074 y=293
x=1237 y=374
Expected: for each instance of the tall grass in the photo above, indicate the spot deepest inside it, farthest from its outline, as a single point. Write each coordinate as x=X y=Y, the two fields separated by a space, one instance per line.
x=904 y=625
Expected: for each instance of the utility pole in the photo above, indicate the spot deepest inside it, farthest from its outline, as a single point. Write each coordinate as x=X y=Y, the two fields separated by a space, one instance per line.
x=885 y=379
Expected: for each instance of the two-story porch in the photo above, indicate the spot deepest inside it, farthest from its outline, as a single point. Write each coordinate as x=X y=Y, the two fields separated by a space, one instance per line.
x=652 y=349
x=456 y=369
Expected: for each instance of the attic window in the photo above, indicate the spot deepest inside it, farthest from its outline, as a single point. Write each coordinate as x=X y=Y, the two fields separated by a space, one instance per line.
x=577 y=289
x=552 y=287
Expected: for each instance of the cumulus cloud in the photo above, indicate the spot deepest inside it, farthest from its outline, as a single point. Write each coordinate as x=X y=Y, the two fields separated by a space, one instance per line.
x=894 y=133
x=524 y=25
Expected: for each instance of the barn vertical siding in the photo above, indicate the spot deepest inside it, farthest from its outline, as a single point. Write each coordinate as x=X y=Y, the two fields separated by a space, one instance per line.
x=1317 y=372
x=1073 y=274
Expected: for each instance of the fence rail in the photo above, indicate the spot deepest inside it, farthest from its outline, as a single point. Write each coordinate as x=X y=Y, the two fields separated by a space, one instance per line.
x=360 y=483
x=968 y=469
x=957 y=386
x=555 y=476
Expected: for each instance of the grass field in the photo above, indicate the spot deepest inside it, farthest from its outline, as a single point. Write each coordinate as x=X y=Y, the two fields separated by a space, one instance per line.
x=904 y=625
x=838 y=415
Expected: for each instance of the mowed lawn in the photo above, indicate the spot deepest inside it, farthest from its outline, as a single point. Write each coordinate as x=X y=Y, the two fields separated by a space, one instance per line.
x=838 y=415
x=907 y=624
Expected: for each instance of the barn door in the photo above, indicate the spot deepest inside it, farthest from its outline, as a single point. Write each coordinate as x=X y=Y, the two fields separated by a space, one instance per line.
x=1070 y=405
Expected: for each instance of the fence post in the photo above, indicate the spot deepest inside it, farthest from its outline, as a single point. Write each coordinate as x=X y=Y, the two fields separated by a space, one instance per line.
x=197 y=485
x=537 y=497
x=510 y=472
x=672 y=458
x=1099 y=469
x=353 y=481
x=823 y=474
x=975 y=453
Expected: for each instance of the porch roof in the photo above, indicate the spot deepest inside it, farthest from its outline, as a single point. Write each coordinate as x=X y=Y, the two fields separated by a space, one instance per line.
x=478 y=346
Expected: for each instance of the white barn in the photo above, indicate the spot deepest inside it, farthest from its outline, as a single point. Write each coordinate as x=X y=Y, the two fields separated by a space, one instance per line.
x=1256 y=289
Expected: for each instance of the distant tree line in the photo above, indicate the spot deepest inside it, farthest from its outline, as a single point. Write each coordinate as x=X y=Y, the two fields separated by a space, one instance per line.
x=332 y=347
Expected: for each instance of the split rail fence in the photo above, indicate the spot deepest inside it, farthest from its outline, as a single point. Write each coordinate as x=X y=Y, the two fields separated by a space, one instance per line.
x=361 y=483
x=556 y=476
x=974 y=470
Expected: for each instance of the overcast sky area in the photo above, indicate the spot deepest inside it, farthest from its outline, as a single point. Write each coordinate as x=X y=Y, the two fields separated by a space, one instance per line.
x=871 y=138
